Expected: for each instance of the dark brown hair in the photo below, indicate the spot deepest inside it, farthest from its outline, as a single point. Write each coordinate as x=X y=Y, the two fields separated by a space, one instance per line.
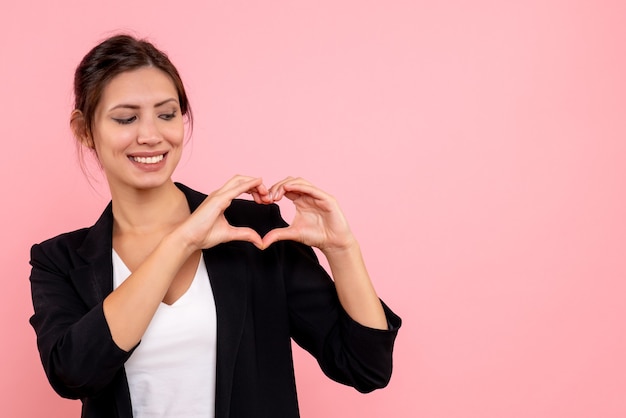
x=112 y=57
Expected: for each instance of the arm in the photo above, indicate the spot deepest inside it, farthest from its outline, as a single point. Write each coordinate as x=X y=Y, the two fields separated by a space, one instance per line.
x=73 y=338
x=354 y=287
x=319 y=222
x=83 y=341
x=130 y=308
x=346 y=351
x=342 y=323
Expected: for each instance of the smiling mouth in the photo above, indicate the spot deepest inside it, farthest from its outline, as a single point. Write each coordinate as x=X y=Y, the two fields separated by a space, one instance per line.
x=148 y=160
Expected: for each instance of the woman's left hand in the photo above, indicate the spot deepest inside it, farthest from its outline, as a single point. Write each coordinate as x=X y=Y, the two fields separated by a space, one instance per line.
x=318 y=221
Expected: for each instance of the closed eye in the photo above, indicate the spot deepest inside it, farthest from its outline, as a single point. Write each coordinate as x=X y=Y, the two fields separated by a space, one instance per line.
x=125 y=121
x=168 y=116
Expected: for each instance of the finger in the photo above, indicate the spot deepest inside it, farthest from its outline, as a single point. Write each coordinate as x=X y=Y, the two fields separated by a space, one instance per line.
x=245 y=234
x=217 y=202
x=280 y=189
x=239 y=185
x=307 y=194
x=256 y=197
x=304 y=187
x=236 y=180
x=280 y=234
x=260 y=195
x=276 y=192
x=263 y=194
x=297 y=186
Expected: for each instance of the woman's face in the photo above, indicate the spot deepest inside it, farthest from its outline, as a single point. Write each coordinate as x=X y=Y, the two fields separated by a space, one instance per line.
x=138 y=129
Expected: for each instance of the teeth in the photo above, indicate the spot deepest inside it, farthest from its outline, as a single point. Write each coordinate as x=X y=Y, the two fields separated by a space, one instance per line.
x=148 y=160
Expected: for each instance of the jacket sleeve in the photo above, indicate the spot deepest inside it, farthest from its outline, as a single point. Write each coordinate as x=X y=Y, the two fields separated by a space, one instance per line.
x=77 y=351
x=346 y=351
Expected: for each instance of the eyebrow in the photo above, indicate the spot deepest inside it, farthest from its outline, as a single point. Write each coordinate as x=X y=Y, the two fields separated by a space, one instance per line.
x=132 y=106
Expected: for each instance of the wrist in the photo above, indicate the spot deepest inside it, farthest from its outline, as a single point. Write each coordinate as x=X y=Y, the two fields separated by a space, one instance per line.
x=346 y=249
x=178 y=240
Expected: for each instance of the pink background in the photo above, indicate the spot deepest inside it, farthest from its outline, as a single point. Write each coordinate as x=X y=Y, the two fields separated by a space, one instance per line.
x=477 y=147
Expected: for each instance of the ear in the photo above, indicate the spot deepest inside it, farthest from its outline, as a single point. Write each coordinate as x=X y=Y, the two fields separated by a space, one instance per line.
x=79 y=128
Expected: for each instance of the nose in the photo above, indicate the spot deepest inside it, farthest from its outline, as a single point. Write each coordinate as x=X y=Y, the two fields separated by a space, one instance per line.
x=148 y=133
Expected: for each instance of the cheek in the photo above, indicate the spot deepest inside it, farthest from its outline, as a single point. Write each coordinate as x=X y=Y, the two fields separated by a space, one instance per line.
x=117 y=139
x=175 y=134
x=112 y=143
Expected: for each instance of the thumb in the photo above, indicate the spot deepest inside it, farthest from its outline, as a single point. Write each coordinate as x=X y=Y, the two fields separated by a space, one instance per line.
x=279 y=234
x=246 y=234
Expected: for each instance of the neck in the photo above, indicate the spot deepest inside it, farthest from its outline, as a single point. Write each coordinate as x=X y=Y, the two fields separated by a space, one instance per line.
x=148 y=211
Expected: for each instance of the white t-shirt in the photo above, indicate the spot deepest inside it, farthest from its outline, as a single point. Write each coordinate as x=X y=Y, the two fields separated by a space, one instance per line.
x=172 y=372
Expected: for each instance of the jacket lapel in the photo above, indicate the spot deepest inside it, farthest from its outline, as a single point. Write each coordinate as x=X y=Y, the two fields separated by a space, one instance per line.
x=228 y=275
x=228 y=281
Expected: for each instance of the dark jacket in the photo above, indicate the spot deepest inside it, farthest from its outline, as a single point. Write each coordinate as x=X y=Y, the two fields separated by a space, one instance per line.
x=262 y=298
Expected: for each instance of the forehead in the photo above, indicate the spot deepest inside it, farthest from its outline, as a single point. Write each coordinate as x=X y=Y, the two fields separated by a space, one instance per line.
x=143 y=86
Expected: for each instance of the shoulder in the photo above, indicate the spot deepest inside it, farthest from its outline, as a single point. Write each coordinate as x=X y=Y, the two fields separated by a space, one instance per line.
x=66 y=247
x=65 y=239
x=58 y=249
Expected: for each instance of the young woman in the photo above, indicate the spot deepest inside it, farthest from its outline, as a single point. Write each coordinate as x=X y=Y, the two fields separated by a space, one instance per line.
x=178 y=304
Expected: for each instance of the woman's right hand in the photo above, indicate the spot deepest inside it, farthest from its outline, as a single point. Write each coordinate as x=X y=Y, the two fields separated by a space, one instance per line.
x=207 y=226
